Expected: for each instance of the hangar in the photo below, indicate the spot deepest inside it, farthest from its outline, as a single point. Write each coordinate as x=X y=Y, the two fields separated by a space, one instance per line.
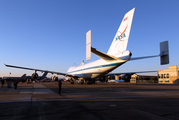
x=143 y=78
x=165 y=76
x=169 y=76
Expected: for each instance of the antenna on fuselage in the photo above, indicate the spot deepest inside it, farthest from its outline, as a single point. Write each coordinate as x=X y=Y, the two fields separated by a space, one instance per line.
x=88 y=45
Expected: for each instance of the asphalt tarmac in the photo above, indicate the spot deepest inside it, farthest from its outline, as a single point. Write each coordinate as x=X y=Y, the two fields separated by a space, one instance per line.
x=90 y=102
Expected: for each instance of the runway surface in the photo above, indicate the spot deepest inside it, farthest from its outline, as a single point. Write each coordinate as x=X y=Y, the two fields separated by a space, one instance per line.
x=97 y=102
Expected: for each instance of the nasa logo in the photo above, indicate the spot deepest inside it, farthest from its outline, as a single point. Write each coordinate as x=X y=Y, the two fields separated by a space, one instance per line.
x=125 y=19
x=120 y=36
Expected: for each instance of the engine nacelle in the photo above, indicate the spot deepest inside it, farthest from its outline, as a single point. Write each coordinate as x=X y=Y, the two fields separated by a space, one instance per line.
x=55 y=78
x=34 y=76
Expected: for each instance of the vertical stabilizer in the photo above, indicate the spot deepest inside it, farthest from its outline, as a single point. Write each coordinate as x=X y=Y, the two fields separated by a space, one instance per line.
x=45 y=74
x=120 y=40
x=23 y=76
x=88 y=45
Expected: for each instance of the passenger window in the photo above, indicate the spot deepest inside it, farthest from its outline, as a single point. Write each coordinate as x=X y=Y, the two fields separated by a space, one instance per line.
x=158 y=75
x=167 y=75
x=161 y=75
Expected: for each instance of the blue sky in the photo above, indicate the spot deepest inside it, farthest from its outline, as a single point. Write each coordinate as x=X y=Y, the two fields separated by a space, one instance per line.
x=50 y=34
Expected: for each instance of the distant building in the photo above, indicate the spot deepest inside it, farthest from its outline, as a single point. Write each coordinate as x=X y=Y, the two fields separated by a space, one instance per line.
x=136 y=78
x=143 y=78
x=166 y=76
x=169 y=76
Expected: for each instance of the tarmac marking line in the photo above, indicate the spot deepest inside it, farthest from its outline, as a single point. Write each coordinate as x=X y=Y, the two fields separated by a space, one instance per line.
x=116 y=97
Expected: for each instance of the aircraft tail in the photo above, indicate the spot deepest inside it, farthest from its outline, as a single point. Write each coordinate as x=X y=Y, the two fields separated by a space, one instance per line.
x=45 y=74
x=120 y=40
x=23 y=76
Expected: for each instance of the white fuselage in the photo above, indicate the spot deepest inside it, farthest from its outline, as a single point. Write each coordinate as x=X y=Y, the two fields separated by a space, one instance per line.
x=99 y=67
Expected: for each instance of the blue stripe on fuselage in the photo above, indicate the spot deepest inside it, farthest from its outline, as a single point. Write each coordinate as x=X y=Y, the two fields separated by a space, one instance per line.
x=99 y=66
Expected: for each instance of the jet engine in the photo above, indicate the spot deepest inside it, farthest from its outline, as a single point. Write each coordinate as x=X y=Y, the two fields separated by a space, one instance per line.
x=34 y=76
x=55 y=78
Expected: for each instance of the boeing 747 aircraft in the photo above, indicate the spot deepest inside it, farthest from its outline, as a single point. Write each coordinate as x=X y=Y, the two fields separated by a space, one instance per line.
x=115 y=57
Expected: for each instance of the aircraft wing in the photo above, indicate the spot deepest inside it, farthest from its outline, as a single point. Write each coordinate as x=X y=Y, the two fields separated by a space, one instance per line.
x=138 y=58
x=104 y=56
x=164 y=54
x=52 y=72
